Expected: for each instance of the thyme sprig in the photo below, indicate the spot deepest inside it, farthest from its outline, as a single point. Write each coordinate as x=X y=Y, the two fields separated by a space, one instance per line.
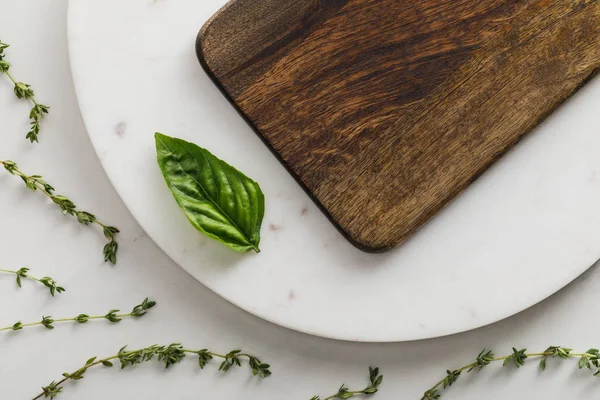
x=590 y=359
x=112 y=316
x=344 y=393
x=24 y=91
x=37 y=183
x=168 y=355
x=23 y=273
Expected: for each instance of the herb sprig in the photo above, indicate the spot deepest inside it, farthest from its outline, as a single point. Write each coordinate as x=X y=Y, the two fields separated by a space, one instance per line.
x=590 y=359
x=24 y=91
x=23 y=273
x=344 y=393
x=168 y=355
x=112 y=316
x=37 y=183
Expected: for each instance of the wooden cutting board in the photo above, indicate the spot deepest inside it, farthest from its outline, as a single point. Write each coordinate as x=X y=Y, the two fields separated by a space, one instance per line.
x=385 y=110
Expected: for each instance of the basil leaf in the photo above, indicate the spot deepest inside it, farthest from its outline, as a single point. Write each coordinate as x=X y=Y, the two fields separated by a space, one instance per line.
x=219 y=200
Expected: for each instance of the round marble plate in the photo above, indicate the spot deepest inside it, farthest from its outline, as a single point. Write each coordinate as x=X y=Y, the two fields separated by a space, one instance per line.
x=525 y=229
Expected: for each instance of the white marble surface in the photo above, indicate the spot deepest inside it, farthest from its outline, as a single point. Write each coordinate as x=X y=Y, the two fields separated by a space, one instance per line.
x=33 y=234
x=532 y=217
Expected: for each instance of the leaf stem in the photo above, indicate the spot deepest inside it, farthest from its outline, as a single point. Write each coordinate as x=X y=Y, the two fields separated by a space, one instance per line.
x=349 y=394
x=221 y=356
x=46 y=281
x=37 y=183
x=589 y=359
x=168 y=355
x=24 y=91
x=8 y=328
x=10 y=77
x=112 y=316
x=63 y=380
x=344 y=393
x=9 y=271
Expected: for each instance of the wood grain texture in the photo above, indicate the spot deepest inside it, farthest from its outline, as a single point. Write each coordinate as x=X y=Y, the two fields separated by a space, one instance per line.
x=385 y=110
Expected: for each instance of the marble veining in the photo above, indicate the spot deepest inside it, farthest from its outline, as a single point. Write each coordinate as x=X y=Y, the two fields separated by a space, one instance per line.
x=274 y=228
x=120 y=128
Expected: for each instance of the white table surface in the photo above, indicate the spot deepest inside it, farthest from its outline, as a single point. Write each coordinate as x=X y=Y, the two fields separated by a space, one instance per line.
x=34 y=234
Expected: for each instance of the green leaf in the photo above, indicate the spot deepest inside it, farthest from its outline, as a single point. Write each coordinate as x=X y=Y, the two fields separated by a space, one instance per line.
x=543 y=364
x=218 y=200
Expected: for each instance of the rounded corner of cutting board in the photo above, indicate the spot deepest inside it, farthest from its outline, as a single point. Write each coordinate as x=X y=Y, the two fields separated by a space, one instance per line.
x=200 y=45
x=371 y=246
x=200 y=52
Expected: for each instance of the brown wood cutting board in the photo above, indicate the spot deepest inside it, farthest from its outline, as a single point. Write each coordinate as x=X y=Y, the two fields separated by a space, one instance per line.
x=385 y=110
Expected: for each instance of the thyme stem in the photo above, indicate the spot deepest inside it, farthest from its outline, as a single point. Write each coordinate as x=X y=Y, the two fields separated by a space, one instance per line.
x=37 y=183
x=112 y=316
x=589 y=359
x=24 y=91
x=46 y=281
x=169 y=355
x=344 y=393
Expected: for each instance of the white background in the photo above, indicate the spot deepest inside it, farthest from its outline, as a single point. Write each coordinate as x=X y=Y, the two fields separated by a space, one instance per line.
x=36 y=235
